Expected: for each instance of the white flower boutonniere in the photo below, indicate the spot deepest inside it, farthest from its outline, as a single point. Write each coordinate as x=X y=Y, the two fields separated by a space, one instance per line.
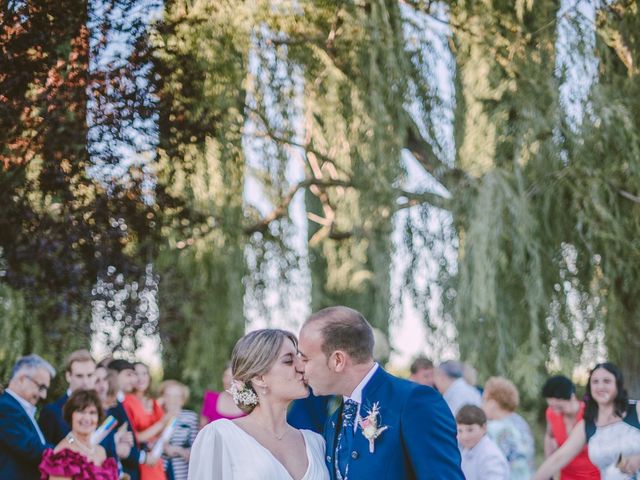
x=369 y=426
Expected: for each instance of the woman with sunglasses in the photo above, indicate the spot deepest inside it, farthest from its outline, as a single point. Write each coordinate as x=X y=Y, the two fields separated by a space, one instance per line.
x=610 y=428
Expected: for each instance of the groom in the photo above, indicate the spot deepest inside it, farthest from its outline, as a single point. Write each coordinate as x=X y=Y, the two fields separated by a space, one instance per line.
x=386 y=427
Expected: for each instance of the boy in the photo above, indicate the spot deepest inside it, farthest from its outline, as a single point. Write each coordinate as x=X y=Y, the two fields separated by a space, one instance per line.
x=481 y=458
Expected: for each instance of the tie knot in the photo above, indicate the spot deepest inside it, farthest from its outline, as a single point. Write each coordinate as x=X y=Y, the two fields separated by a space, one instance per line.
x=349 y=413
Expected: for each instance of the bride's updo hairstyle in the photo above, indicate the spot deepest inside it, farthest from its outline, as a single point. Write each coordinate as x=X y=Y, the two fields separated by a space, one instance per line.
x=254 y=355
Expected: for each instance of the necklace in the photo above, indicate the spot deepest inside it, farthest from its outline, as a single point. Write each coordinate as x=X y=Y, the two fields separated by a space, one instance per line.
x=281 y=435
x=273 y=434
x=74 y=441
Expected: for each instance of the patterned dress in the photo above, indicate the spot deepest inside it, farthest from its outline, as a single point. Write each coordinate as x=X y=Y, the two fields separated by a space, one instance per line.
x=513 y=437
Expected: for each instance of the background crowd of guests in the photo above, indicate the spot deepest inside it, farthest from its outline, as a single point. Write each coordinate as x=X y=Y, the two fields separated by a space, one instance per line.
x=151 y=437
x=591 y=439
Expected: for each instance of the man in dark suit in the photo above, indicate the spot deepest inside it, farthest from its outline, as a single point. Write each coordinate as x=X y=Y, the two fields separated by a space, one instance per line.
x=126 y=379
x=21 y=441
x=387 y=428
x=80 y=375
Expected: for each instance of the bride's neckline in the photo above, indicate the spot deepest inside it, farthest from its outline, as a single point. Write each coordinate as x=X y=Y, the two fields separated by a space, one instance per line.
x=255 y=440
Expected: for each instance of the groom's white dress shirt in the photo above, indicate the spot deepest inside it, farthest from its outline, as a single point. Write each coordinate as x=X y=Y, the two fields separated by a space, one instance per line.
x=356 y=395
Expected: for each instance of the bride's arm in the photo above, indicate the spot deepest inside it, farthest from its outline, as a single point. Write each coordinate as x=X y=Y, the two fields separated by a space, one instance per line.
x=208 y=460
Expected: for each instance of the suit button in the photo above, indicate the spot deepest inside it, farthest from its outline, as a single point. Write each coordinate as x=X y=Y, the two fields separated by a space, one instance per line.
x=355 y=455
x=328 y=459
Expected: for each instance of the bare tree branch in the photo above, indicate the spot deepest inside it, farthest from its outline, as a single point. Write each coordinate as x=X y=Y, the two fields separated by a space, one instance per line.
x=280 y=211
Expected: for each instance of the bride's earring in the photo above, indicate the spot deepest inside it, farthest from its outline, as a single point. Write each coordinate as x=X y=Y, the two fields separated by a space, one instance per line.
x=264 y=390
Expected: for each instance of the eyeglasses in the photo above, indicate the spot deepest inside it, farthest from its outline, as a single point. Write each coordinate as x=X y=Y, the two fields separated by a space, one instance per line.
x=42 y=388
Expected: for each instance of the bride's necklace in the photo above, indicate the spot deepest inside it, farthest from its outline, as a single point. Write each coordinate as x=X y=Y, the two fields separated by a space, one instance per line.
x=74 y=441
x=273 y=434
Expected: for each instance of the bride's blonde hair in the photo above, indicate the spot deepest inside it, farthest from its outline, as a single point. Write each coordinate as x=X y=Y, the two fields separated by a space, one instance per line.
x=254 y=354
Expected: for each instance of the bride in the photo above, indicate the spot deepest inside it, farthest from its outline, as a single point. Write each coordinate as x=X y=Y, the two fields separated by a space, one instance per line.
x=266 y=370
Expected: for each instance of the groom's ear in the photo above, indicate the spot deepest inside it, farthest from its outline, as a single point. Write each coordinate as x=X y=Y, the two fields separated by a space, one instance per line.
x=338 y=361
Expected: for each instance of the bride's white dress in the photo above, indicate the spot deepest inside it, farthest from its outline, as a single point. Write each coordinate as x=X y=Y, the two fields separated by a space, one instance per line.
x=223 y=451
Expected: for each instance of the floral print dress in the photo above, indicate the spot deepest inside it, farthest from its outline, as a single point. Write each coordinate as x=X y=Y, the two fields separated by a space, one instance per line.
x=513 y=437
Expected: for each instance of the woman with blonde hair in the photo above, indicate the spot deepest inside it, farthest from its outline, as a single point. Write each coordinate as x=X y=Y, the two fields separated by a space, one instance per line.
x=267 y=376
x=173 y=396
x=508 y=429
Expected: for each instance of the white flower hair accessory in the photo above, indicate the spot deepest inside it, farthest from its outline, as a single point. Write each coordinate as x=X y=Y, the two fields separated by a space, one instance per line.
x=369 y=426
x=242 y=394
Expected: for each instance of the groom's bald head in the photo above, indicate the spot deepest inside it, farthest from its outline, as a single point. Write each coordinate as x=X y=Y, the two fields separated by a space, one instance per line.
x=346 y=329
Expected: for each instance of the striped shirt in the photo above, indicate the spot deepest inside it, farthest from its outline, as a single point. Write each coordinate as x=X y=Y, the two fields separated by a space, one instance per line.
x=184 y=434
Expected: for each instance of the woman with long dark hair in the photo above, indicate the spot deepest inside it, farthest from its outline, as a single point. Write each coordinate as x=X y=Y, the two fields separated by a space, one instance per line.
x=610 y=428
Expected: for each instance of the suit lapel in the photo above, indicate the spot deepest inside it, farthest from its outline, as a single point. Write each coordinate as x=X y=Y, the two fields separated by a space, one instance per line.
x=16 y=405
x=361 y=444
x=23 y=413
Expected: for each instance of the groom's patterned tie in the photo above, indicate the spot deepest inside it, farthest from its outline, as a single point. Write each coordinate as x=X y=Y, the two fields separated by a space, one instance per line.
x=345 y=439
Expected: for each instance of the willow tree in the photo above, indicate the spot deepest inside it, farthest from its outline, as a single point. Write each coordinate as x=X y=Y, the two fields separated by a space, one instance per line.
x=201 y=58
x=547 y=235
x=354 y=92
x=607 y=183
x=507 y=110
x=360 y=76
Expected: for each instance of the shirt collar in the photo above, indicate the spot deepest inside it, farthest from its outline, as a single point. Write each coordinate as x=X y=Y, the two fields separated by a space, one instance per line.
x=356 y=395
x=30 y=409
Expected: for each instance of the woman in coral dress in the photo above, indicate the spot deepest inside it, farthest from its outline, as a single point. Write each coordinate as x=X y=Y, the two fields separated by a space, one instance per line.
x=148 y=421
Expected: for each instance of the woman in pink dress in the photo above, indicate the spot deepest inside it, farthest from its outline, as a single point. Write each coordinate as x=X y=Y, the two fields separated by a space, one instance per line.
x=217 y=405
x=75 y=457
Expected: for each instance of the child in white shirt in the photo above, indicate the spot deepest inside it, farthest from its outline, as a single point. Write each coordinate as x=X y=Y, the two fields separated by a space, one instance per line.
x=481 y=458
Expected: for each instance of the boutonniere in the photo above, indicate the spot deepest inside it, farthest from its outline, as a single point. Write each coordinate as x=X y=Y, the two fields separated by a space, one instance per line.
x=369 y=426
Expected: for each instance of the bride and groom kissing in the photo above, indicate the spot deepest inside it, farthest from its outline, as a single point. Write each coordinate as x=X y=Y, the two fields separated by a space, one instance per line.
x=386 y=428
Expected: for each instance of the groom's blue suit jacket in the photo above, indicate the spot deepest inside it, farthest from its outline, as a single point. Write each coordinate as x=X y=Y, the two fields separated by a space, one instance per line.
x=420 y=442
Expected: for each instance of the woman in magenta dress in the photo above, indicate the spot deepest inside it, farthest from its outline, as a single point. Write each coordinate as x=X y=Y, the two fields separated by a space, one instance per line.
x=75 y=457
x=217 y=405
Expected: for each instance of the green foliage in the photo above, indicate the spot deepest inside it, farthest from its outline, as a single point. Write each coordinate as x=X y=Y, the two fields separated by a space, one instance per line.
x=201 y=174
x=537 y=261
x=13 y=330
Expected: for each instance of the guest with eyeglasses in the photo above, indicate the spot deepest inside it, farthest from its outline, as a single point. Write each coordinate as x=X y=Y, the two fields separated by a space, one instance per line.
x=21 y=440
